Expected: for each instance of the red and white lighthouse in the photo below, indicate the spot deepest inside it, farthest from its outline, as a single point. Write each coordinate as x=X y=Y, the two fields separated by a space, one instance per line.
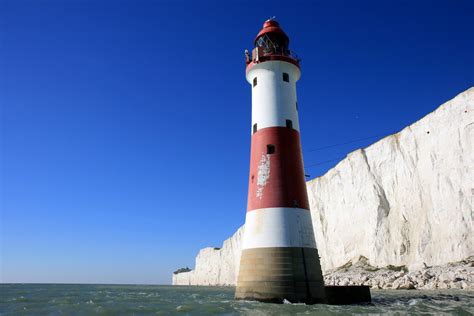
x=279 y=255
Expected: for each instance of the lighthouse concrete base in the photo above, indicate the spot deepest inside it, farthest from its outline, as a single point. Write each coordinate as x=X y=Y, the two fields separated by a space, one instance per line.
x=278 y=274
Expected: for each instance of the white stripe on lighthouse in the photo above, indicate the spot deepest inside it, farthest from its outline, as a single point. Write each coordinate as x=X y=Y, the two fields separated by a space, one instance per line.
x=278 y=227
x=274 y=100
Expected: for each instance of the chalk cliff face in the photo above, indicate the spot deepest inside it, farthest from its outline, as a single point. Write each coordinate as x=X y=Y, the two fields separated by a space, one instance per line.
x=406 y=200
x=215 y=266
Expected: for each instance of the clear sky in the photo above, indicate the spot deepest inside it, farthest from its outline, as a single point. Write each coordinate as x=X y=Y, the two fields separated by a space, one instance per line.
x=126 y=124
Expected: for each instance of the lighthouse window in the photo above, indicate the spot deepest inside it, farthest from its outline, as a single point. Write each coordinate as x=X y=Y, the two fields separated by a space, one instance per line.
x=254 y=128
x=286 y=77
x=270 y=149
x=289 y=124
x=254 y=81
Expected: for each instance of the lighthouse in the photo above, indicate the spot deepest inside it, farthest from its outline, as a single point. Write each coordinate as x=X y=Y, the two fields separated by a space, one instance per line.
x=279 y=255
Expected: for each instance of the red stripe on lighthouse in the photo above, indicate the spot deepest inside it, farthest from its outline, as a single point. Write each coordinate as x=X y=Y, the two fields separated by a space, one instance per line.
x=276 y=170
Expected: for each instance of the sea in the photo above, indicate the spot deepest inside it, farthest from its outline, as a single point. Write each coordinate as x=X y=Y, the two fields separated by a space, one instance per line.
x=91 y=299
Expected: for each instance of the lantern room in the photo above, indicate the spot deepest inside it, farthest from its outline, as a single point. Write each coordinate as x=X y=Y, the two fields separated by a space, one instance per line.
x=271 y=43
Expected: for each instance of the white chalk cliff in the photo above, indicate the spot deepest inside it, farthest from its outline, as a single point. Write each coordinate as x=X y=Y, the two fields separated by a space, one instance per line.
x=406 y=200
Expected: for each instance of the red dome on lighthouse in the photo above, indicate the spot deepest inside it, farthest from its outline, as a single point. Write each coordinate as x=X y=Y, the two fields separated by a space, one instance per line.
x=272 y=27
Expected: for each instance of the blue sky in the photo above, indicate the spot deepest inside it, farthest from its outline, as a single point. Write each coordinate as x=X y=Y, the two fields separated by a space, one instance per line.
x=125 y=124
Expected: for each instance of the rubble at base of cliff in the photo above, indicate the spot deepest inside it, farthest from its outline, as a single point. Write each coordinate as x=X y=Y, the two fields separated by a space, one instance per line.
x=459 y=275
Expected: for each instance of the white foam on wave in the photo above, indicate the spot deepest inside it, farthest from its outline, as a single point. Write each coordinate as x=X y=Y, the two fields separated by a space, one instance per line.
x=413 y=302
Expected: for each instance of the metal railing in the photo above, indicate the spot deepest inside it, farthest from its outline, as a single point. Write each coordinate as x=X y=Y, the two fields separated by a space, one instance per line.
x=259 y=52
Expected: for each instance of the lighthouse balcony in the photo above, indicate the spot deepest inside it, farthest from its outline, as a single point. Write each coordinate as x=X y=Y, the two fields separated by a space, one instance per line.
x=261 y=54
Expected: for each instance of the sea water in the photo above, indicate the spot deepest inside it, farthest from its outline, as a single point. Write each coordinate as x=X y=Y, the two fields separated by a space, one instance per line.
x=89 y=299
